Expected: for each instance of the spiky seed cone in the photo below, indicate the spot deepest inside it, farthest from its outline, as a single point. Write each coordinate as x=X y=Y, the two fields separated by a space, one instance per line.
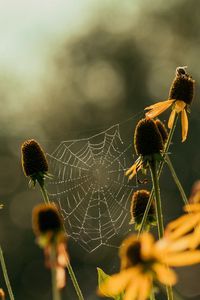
x=162 y=129
x=33 y=158
x=46 y=218
x=182 y=88
x=147 y=138
x=137 y=209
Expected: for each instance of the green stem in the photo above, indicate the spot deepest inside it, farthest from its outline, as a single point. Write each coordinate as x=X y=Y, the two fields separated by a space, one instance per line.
x=55 y=290
x=5 y=274
x=69 y=267
x=152 y=296
x=44 y=194
x=159 y=216
x=176 y=179
x=167 y=145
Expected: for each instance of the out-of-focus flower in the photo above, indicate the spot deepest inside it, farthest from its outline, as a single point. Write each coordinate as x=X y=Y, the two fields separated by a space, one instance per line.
x=137 y=209
x=180 y=98
x=2 y=294
x=142 y=261
x=34 y=162
x=50 y=235
x=148 y=145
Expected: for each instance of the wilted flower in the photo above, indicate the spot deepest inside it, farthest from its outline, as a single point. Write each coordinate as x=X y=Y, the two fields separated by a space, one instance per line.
x=142 y=261
x=138 y=206
x=180 y=98
x=148 y=144
x=49 y=231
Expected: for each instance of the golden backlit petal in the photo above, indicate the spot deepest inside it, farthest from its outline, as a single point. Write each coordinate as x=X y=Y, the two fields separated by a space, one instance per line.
x=147 y=244
x=164 y=274
x=179 y=106
x=145 y=288
x=195 y=238
x=180 y=244
x=185 y=258
x=194 y=207
x=160 y=104
x=185 y=227
x=133 y=289
x=154 y=112
x=118 y=282
x=184 y=124
x=132 y=169
x=171 y=119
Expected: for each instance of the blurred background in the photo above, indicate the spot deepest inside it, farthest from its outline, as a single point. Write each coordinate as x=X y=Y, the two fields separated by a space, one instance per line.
x=69 y=70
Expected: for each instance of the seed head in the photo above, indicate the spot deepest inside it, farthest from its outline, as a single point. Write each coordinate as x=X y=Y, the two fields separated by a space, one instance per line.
x=182 y=88
x=147 y=138
x=46 y=220
x=34 y=162
x=138 y=205
x=162 y=129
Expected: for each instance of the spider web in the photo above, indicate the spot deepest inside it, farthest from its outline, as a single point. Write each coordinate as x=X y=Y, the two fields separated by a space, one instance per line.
x=91 y=189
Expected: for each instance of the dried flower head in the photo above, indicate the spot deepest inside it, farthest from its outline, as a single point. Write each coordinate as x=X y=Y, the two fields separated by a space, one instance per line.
x=147 y=138
x=49 y=230
x=148 y=144
x=47 y=224
x=180 y=98
x=138 y=206
x=162 y=129
x=34 y=161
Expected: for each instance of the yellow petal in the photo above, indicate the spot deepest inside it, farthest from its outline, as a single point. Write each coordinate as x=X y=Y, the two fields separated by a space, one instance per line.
x=195 y=238
x=185 y=258
x=164 y=274
x=147 y=244
x=132 y=169
x=132 y=289
x=171 y=119
x=159 y=104
x=184 y=123
x=194 y=207
x=117 y=283
x=189 y=223
x=60 y=277
x=145 y=288
x=179 y=106
x=156 y=111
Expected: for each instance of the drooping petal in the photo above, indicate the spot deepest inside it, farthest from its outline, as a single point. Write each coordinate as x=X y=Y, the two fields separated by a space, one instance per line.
x=164 y=274
x=117 y=283
x=195 y=238
x=133 y=289
x=185 y=258
x=171 y=119
x=145 y=288
x=188 y=223
x=184 y=123
x=194 y=207
x=157 y=110
x=60 y=277
x=159 y=104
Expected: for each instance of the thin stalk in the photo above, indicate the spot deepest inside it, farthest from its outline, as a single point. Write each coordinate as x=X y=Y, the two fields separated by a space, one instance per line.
x=176 y=179
x=5 y=274
x=167 y=145
x=55 y=290
x=159 y=216
x=152 y=296
x=69 y=267
x=44 y=194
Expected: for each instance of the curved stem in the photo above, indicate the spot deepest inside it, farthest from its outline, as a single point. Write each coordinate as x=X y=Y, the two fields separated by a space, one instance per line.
x=167 y=145
x=44 y=194
x=176 y=179
x=5 y=274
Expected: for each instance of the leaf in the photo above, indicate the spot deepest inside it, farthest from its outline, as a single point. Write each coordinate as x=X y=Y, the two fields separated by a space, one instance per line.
x=102 y=276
